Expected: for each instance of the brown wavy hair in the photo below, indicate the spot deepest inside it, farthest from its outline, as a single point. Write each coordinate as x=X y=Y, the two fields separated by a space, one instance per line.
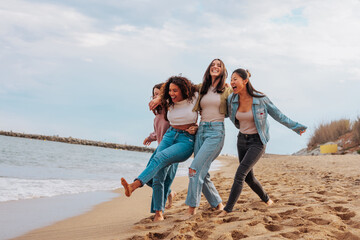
x=159 y=108
x=187 y=89
x=207 y=81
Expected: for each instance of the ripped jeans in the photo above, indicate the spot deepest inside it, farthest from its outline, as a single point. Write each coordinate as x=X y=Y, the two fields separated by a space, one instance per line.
x=208 y=144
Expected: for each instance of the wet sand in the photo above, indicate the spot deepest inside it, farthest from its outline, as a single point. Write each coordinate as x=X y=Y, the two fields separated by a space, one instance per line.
x=316 y=197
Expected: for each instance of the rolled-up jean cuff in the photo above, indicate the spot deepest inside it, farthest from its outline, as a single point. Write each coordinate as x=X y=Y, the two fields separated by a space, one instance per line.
x=142 y=184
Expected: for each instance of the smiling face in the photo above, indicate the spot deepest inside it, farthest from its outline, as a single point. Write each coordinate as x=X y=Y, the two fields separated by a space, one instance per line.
x=156 y=92
x=238 y=84
x=175 y=93
x=215 y=69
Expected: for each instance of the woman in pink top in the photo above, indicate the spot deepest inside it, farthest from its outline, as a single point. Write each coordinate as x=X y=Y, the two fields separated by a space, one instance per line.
x=161 y=125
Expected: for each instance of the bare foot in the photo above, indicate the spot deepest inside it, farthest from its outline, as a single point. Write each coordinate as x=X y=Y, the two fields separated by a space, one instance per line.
x=191 y=211
x=127 y=187
x=171 y=197
x=158 y=216
x=223 y=213
x=220 y=206
x=270 y=202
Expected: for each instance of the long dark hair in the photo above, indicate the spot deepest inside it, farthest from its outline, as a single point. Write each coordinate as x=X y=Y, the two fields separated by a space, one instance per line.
x=159 y=108
x=187 y=89
x=245 y=74
x=207 y=81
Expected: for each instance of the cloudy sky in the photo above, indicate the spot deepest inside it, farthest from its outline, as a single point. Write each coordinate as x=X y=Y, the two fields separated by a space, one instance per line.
x=85 y=68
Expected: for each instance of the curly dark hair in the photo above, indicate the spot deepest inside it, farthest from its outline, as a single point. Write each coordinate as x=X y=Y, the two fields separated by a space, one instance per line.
x=187 y=89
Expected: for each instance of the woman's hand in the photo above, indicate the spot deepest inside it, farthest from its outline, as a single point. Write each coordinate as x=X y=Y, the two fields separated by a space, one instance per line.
x=147 y=141
x=154 y=103
x=192 y=130
x=302 y=131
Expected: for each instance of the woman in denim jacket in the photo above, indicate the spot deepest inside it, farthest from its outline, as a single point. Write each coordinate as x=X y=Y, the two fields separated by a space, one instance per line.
x=248 y=109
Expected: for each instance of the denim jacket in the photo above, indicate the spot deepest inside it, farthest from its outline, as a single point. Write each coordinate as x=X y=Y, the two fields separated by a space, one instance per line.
x=261 y=107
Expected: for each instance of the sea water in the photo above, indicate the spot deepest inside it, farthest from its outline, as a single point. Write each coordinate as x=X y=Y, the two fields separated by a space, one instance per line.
x=34 y=172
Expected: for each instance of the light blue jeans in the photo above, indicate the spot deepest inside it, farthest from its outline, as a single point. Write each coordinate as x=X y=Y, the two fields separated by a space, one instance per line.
x=208 y=144
x=167 y=183
x=176 y=146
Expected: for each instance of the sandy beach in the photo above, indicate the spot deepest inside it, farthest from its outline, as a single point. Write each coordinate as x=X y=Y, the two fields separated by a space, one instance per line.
x=316 y=197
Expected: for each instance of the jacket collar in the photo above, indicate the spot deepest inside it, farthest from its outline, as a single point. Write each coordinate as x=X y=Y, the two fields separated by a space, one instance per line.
x=235 y=99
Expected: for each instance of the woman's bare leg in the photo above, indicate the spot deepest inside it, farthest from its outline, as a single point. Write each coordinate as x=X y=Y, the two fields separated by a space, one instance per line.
x=191 y=211
x=158 y=216
x=220 y=206
x=270 y=202
x=129 y=188
x=170 y=199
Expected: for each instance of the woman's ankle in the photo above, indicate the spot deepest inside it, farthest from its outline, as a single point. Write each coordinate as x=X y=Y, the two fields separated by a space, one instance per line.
x=192 y=210
x=220 y=206
x=158 y=216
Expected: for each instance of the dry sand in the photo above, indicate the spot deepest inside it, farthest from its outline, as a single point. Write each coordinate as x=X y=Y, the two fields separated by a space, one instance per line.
x=316 y=197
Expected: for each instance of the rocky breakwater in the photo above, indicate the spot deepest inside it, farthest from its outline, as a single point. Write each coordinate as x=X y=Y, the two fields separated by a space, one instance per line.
x=79 y=141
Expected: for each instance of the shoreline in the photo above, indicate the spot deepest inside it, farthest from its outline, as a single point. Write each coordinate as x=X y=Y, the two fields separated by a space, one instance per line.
x=71 y=140
x=316 y=197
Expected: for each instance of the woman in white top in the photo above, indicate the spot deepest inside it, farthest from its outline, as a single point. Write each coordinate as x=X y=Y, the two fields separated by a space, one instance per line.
x=211 y=104
x=179 y=96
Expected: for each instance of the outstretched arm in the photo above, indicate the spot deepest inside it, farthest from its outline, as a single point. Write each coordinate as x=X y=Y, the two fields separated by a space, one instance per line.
x=282 y=118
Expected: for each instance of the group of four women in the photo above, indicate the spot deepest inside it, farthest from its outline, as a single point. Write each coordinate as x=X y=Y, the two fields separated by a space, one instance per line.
x=179 y=103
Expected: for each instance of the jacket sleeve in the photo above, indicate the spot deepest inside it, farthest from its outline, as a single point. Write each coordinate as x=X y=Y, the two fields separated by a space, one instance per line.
x=275 y=113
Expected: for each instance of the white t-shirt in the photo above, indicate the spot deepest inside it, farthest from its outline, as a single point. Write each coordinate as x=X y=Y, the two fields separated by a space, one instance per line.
x=210 y=107
x=181 y=113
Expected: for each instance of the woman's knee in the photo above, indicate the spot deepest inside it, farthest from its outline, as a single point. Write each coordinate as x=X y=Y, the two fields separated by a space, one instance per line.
x=192 y=172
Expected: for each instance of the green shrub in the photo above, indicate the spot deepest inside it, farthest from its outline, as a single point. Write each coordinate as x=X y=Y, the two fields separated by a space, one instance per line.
x=329 y=132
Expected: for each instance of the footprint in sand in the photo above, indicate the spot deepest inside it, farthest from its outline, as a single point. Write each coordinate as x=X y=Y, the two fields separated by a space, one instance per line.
x=291 y=235
x=346 y=216
x=344 y=213
x=157 y=235
x=320 y=221
x=203 y=233
x=287 y=214
x=230 y=219
x=147 y=227
x=238 y=235
x=273 y=227
x=254 y=223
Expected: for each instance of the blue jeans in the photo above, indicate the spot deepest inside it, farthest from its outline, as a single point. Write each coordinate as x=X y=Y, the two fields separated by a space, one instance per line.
x=208 y=144
x=167 y=183
x=176 y=146
x=250 y=149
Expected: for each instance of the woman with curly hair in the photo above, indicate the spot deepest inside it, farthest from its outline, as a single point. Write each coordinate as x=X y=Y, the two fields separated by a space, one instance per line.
x=178 y=97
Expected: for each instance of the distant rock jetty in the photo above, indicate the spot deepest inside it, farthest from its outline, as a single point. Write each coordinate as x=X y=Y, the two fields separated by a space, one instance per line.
x=79 y=141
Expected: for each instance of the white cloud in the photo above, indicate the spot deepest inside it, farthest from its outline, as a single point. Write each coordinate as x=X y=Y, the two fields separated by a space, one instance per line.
x=296 y=50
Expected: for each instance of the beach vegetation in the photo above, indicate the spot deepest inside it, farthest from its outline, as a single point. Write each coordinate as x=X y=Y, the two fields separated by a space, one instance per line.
x=328 y=132
x=356 y=130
